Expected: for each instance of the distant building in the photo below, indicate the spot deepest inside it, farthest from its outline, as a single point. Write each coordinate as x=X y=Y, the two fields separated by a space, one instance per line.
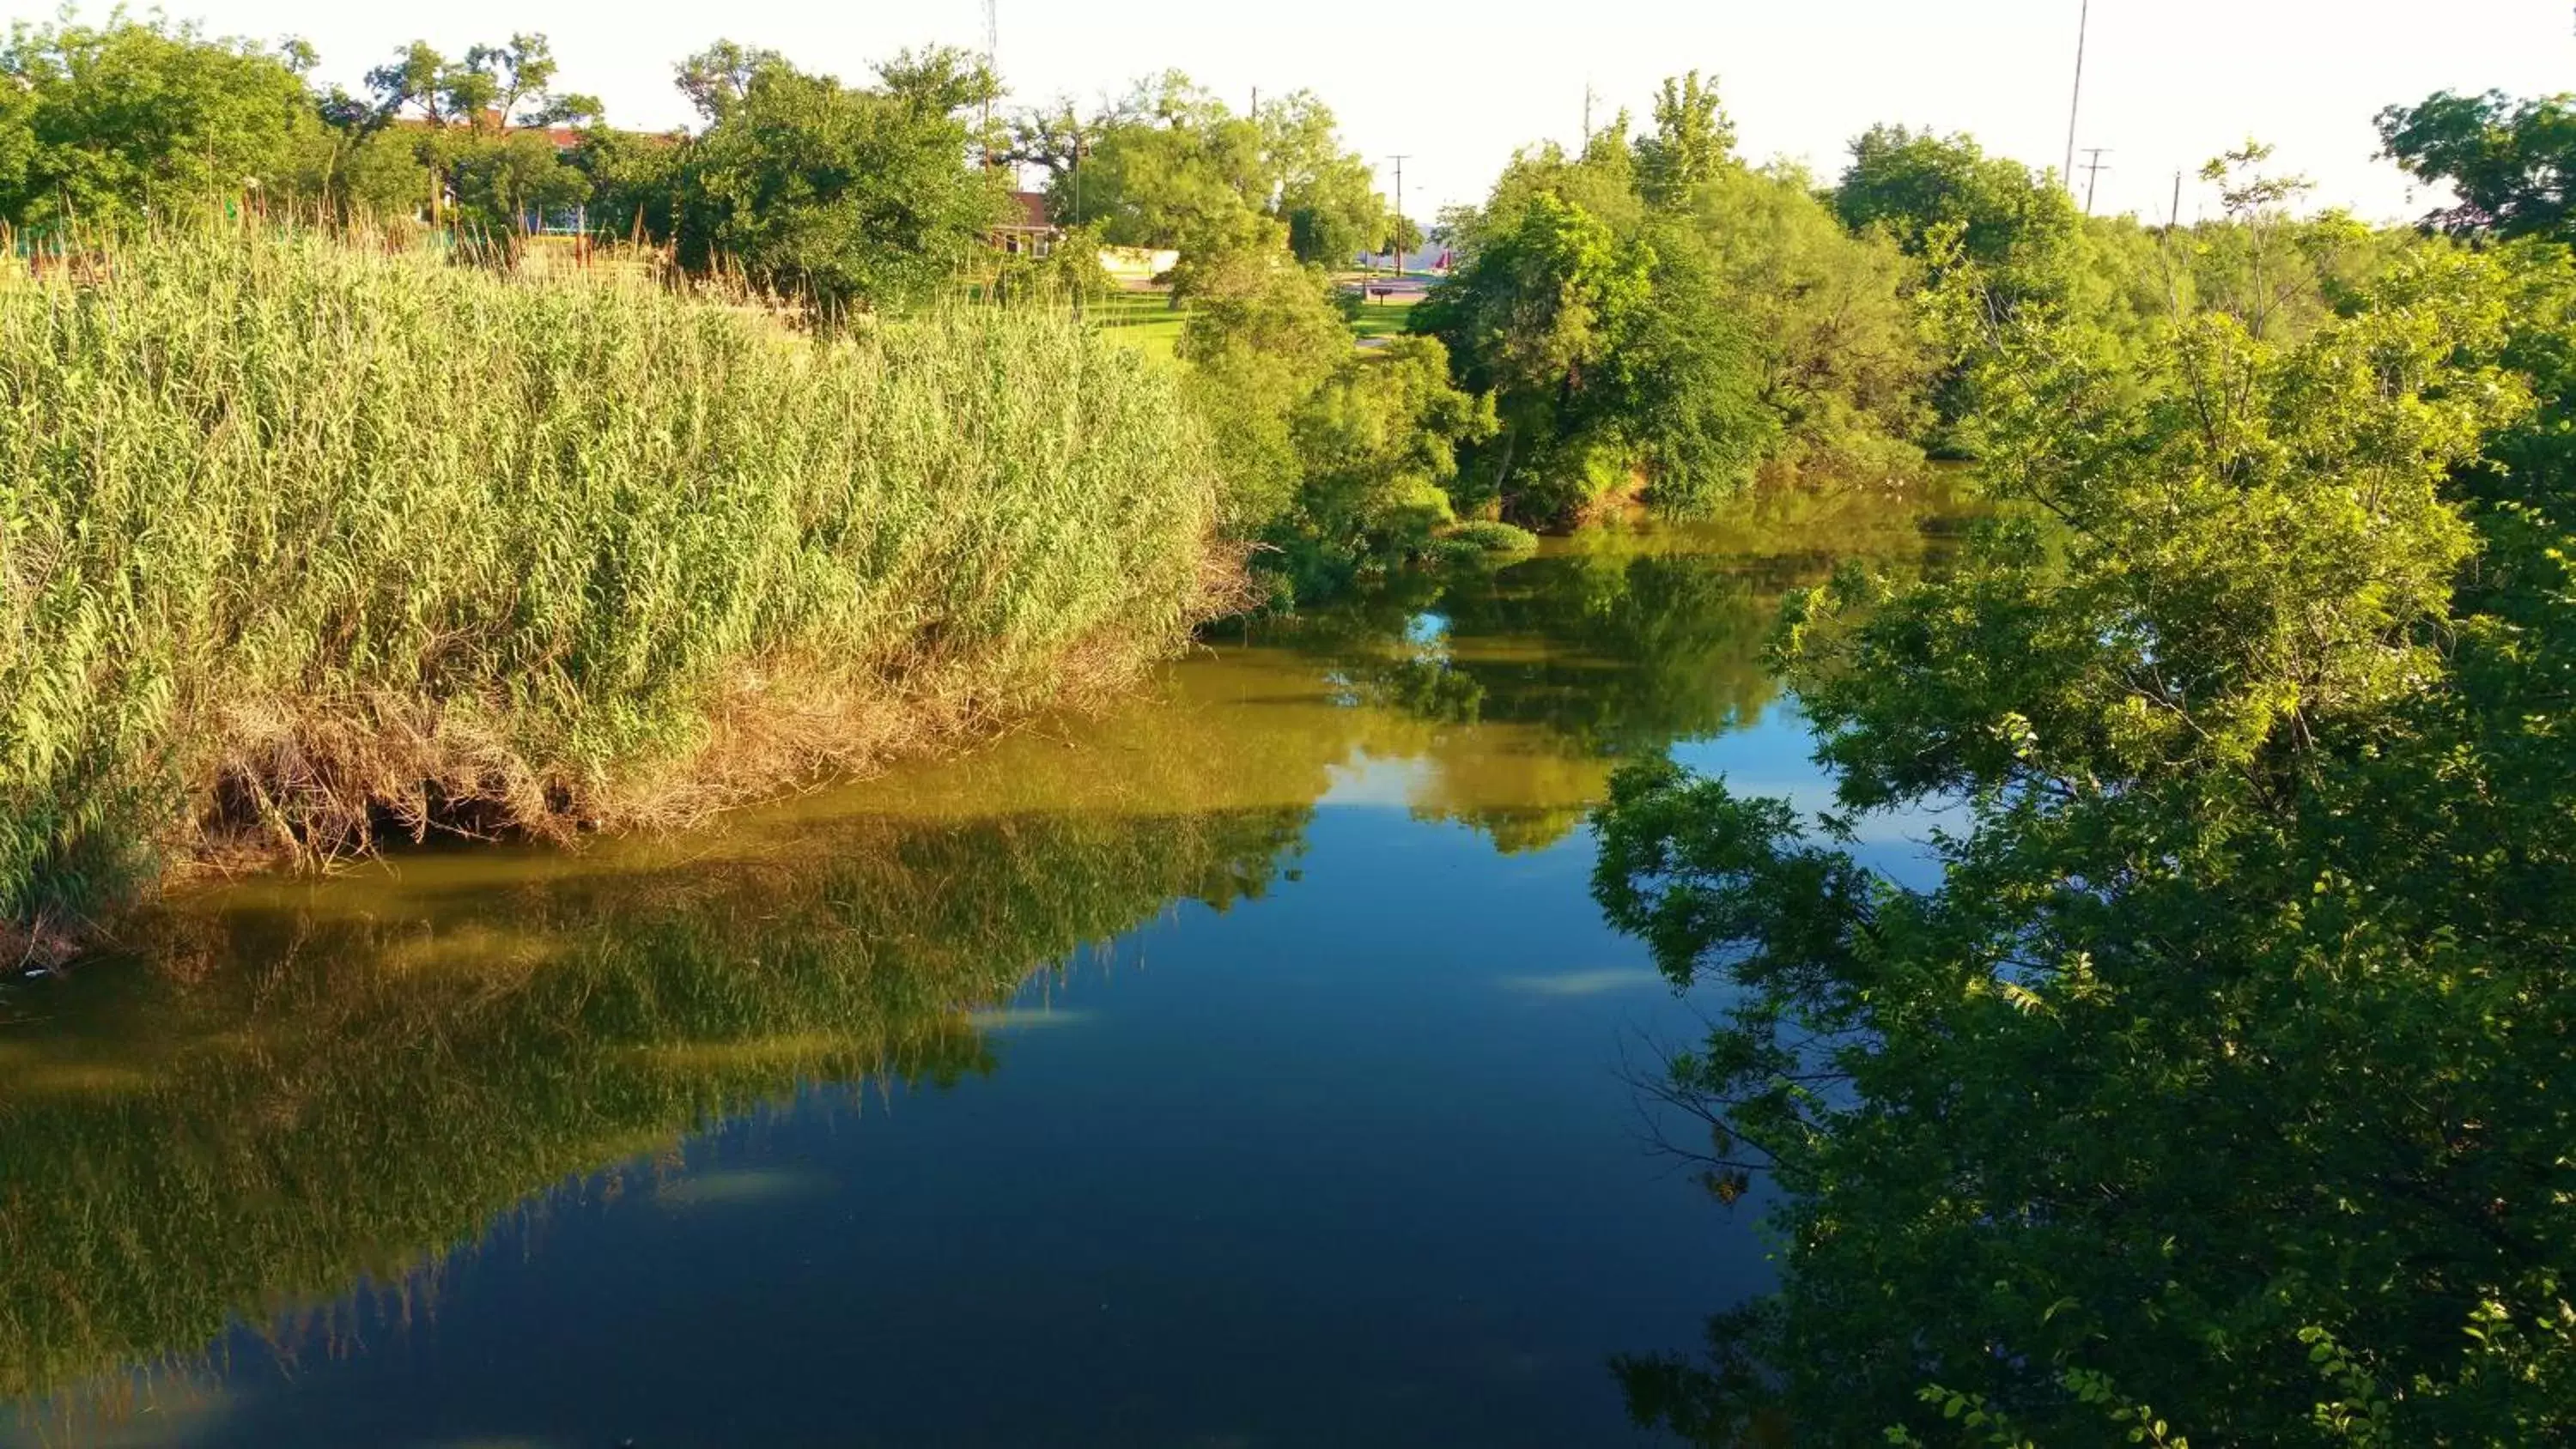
x=1025 y=230
x=1137 y=264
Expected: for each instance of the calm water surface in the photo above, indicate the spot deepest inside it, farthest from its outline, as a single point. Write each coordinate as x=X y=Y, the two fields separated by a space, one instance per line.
x=1240 y=1068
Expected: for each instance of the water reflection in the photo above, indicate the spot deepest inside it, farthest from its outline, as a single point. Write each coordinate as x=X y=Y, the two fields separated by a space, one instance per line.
x=1615 y=644
x=306 y=1088
x=294 y=1105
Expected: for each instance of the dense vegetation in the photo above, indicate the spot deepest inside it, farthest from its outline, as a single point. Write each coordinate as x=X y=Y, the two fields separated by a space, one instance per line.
x=304 y=539
x=1646 y=319
x=2215 y=1091
x=1654 y=316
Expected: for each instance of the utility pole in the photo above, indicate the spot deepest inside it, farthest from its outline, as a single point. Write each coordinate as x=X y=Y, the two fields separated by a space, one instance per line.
x=2173 y=218
x=1396 y=242
x=2093 y=169
x=1587 y=117
x=2083 y=23
x=992 y=71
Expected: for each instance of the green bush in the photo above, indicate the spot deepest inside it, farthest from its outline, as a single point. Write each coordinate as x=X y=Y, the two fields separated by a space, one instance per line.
x=1494 y=536
x=304 y=539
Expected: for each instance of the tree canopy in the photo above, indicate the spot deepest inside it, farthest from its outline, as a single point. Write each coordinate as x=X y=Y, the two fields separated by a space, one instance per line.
x=105 y=122
x=2212 y=1087
x=2018 y=227
x=851 y=196
x=2511 y=162
x=1656 y=318
x=1170 y=166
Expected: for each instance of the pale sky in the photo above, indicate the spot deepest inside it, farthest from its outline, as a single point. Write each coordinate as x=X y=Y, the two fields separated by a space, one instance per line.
x=2167 y=83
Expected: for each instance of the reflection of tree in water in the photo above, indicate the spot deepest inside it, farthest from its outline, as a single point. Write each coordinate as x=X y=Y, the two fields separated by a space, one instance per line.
x=284 y=1099
x=1611 y=645
x=294 y=1087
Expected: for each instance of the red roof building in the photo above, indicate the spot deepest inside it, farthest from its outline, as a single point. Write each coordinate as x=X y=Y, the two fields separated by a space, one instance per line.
x=1025 y=229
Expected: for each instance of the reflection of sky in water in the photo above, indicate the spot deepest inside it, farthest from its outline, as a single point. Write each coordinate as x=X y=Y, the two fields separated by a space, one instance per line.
x=1774 y=758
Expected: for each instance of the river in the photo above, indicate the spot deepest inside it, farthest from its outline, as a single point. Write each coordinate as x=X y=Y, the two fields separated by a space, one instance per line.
x=1246 y=1065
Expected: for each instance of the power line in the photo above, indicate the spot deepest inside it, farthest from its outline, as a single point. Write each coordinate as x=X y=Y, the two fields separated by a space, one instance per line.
x=992 y=70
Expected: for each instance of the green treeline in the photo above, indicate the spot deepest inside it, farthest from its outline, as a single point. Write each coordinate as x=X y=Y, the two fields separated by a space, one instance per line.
x=2217 y=1091
x=1649 y=319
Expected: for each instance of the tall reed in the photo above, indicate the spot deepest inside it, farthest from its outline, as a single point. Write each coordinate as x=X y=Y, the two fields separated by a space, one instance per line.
x=301 y=539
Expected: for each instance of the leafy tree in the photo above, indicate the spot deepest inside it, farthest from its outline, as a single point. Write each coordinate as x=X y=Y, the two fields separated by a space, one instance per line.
x=849 y=196
x=1756 y=329
x=1618 y=368
x=501 y=177
x=1377 y=447
x=371 y=174
x=1171 y=167
x=1692 y=140
x=940 y=82
x=492 y=88
x=1340 y=461
x=1326 y=194
x=2016 y=227
x=1055 y=138
x=1533 y=318
x=633 y=179
x=2219 y=1069
x=1843 y=364
x=1684 y=384
x=1600 y=179
x=466 y=120
x=106 y=123
x=2510 y=162
x=1263 y=338
x=717 y=79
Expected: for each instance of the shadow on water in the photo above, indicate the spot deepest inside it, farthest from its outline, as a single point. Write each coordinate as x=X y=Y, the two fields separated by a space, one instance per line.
x=291 y=1105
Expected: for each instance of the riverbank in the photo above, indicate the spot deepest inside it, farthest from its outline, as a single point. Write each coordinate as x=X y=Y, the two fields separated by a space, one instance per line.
x=304 y=544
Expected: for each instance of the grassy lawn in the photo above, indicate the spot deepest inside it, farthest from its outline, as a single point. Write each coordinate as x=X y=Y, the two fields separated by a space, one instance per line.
x=1383 y=319
x=1146 y=321
x=1142 y=320
x=1156 y=338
